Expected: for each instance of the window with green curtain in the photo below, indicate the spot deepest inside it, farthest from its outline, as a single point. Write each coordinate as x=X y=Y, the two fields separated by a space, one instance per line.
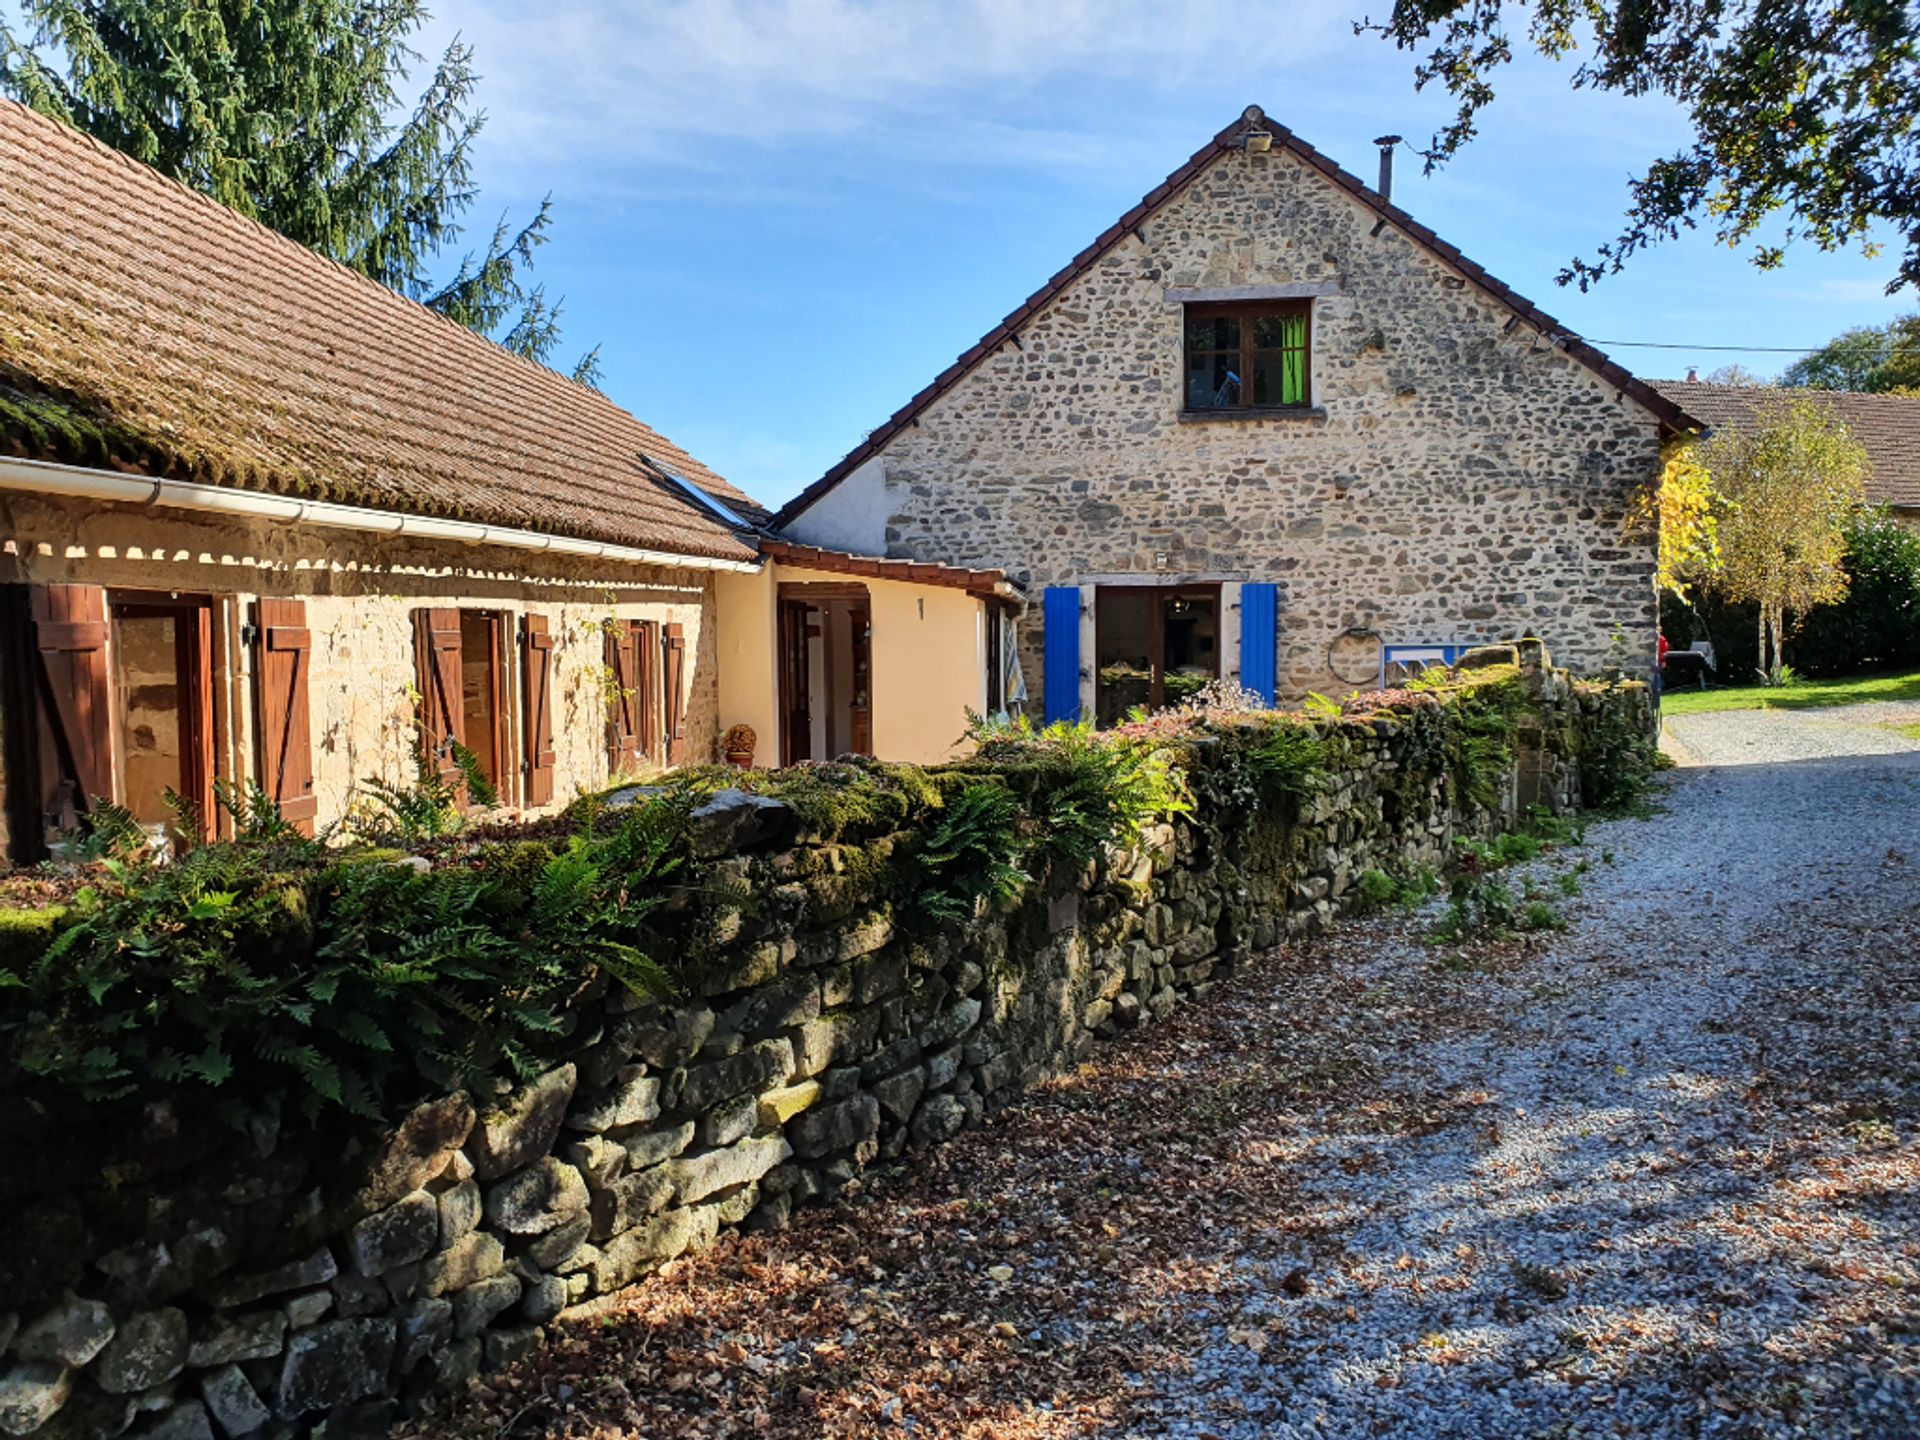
x=1248 y=355
x=1280 y=359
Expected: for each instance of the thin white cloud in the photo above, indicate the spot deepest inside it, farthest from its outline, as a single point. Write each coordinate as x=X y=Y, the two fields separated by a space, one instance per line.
x=988 y=81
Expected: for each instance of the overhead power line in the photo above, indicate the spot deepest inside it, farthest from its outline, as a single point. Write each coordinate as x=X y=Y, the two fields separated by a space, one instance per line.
x=1743 y=349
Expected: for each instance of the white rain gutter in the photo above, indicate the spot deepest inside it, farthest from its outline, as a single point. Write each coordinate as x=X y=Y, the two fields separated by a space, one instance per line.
x=43 y=477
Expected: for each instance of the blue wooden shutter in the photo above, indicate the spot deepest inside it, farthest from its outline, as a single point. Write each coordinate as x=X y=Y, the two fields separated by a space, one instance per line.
x=1060 y=612
x=1259 y=639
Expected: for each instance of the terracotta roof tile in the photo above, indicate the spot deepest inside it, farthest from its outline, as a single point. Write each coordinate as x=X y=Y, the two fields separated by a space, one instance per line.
x=1670 y=415
x=1887 y=425
x=238 y=357
x=841 y=562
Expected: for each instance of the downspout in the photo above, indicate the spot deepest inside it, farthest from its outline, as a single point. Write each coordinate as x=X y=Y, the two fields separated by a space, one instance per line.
x=43 y=477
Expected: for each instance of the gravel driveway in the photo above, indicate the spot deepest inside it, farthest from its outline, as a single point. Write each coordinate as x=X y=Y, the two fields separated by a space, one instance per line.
x=1768 y=737
x=1686 y=1202
x=1656 y=1175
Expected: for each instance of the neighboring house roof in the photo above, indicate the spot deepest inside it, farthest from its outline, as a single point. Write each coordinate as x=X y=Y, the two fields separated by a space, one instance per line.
x=1888 y=426
x=1666 y=411
x=144 y=326
x=841 y=562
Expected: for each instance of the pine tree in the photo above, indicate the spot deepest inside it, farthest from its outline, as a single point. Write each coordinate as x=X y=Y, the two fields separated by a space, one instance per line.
x=285 y=110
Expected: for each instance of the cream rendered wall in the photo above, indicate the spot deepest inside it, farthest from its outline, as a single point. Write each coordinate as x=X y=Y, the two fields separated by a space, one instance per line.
x=929 y=669
x=746 y=657
x=360 y=593
x=929 y=661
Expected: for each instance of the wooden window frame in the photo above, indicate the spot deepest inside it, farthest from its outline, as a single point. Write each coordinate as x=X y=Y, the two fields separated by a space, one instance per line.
x=499 y=698
x=672 y=685
x=193 y=655
x=451 y=697
x=634 y=696
x=283 y=724
x=1246 y=312
x=996 y=661
x=537 y=652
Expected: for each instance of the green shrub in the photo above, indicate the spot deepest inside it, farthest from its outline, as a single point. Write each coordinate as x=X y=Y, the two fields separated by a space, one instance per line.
x=1376 y=889
x=1477 y=904
x=974 y=853
x=1539 y=915
x=1083 y=790
x=1877 y=626
x=359 y=983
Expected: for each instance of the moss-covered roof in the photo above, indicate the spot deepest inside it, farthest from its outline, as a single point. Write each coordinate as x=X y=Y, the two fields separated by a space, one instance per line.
x=143 y=325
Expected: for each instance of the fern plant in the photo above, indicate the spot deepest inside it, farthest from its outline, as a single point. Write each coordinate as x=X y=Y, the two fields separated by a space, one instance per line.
x=352 y=982
x=428 y=809
x=973 y=854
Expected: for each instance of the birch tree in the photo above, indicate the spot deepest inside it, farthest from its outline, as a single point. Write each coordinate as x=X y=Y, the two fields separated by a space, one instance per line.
x=1789 y=486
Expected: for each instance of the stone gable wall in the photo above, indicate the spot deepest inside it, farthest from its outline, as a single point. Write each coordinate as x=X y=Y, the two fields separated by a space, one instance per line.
x=1462 y=484
x=182 y=1273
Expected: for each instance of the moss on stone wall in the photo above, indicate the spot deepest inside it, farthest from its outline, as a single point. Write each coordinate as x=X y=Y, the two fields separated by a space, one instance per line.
x=820 y=1017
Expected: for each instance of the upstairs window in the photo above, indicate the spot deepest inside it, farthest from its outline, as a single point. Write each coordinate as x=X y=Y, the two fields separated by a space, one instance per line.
x=1252 y=356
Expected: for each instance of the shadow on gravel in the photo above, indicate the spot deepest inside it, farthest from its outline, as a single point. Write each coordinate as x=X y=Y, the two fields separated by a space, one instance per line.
x=1656 y=1178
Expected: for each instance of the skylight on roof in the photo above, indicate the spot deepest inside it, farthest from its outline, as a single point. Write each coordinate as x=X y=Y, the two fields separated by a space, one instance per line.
x=701 y=498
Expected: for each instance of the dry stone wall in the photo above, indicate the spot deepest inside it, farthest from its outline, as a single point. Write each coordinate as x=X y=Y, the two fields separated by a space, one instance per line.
x=186 y=1273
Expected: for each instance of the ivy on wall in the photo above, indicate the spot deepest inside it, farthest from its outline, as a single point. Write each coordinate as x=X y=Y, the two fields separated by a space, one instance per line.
x=359 y=976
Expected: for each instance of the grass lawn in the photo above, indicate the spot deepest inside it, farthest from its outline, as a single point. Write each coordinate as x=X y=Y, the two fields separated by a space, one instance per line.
x=1805 y=695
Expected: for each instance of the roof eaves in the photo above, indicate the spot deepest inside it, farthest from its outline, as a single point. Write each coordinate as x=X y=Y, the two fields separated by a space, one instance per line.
x=1671 y=416
x=955 y=577
x=877 y=439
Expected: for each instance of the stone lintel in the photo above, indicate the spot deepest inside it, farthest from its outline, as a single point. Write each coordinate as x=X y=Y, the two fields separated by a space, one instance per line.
x=1229 y=294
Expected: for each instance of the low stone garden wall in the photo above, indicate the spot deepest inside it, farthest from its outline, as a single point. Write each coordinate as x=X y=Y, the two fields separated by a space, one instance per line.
x=196 y=1268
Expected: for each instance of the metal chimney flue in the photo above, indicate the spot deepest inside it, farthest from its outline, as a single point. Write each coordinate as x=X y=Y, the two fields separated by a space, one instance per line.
x=1386 y=144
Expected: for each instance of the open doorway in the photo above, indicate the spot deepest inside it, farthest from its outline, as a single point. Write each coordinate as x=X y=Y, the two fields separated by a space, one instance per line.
x=1157 y=646
x=826 y=672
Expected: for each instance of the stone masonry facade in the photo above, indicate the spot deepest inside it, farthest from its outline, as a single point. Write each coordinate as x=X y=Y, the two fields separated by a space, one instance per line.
x=360 y=595
x=172 y=1274
x=1459 y=478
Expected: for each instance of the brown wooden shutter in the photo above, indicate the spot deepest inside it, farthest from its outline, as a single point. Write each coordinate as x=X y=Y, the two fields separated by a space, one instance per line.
x=280 y=674
x=75 y=700
x=436 y=648
x=646 y=650
x=674 y=673
x=536 y=645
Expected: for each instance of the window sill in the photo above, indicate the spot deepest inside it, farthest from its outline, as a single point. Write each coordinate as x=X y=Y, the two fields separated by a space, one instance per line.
x=1316 y=414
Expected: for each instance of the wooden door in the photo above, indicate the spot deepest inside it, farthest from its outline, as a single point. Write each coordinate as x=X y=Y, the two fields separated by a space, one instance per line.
x=796 y=708
x=860 y=701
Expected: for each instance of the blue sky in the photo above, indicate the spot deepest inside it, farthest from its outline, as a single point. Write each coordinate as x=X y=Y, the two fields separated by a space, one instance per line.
x=781 y=218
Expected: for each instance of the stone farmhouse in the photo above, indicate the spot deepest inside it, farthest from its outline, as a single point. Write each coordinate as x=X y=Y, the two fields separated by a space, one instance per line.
x=1886 y=426
x=266 y=520
x=1270 y=428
